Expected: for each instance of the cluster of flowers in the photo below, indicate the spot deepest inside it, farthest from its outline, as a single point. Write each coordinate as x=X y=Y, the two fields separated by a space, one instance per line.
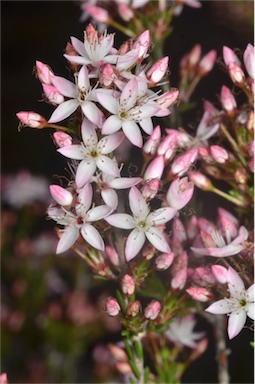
x=114 y=103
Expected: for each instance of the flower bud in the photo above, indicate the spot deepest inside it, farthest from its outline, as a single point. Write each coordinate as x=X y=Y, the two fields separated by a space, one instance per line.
x=31 y=119
x=107 y=75
x=62 y=139
x=151 y=145
x=200 y=180
x=168 y=146
x=164 y=261
x=168 y=98
x=118 y=353
x=240 y=176
x=142 y=44
x=150 y=188
x=179 y=193
x=199 y=293
x=155 y=168
x=205 y=155
x=219 y=154
x=152 y=310
x=112 y=306
x=133 y=308
x=128 y=285
x=183 y=162
x=250 y=122
x=228 y=101
x=61 y=195
x=207 y=62
x=113 y=255
x=52 y=94
x=125 y=12
x=3 y=378
x=148 y=252
x=123 y=367
x=236 y=74
x=44 y=73
x=229 y=56
x=157 y=71
x=248 y=57
x=194 y=55
x=220 y=273
x=98 y=14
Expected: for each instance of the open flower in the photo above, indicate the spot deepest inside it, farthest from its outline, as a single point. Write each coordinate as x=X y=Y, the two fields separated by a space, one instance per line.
x=143 y=223
x=180 y=332
x=80 y=94
x=239 y=305
x=130 y=109
x=79 y=221
x=93 y=153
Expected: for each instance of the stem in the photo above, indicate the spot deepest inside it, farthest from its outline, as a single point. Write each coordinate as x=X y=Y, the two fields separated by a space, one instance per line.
x=222 y=351
x=233 y=144
x=121 y=28
x=139 y=360
x=191 y=89
x=59 y=127
x=233 y=200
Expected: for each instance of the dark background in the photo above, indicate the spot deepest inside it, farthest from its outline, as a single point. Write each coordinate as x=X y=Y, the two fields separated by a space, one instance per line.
x=37 y=30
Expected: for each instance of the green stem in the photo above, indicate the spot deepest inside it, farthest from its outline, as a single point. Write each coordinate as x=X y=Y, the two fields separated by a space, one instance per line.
x=233 y=200
x=121 y=28
x=233 y=143
x=59 y=128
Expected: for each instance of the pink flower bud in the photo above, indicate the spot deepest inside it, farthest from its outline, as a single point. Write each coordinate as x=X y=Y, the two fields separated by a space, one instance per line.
x=52 y=94
x=236 y=74
x=31 y=119
x=168 y=98
x=112 y=306
x=3 y=378
x=207 y=62
x=229 y=56
x=168 y=146
x=44 y=73
x=248 y=57
x=251 y=148
x=107 y=75
x=134 y=308
x=155 y=168
x=179 y=279
x=150 y=188
x=220 y=273
x=201 y=276
x=200 y=180
x=152 y=310
x=61 y=195
x=142 y=44
x=191 y=227
x=62 y=139
x=219 y=154
x=194 y=55
x=157 y=71
x=183 y=162
x=113 y=255
x=118 y=353
x=179 y=193
x=205 y=154
x=98 y=14
x=164 y=261
x=228 y=101
x=128 y=285
x=199 y=293
x=125 y=12
x=151 y=145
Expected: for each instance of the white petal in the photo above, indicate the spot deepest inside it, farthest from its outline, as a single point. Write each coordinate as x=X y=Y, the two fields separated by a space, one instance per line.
x=236 y=322
x=83 y=79
x=64 y=110
x=68 y=238
x=85 y=171
x=110 y=198
x=111 y=125
x=89 y=135
x=250 y=311
x=147 y=110
x=92 y=236
x=92 y=112
x=85 y=197
x=157 y=239
x=129 y=94
x=108 y=165
x=125 y=61
x=98 y=212
x=137 y=203
x=109 y=143
x=65 y=87
x=72 y=151
x=77 y=59
x=235 y=283
x=134 y=244
x=147 y=125
x=125 y=182
x=250 y=292
x=133 y=133
x=108 y=102
x=78 y=46
x=220 y=307
x=161 y=216
x=121 y=220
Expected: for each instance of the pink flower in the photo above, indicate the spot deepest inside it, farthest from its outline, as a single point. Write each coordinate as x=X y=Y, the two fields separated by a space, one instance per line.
x=52 y=94
x=239 y=305
x=164 y=261
x=31 y=119
x=79 y=221
x=151 y=145
x=200 y=180
x=219 y=154
x=93 y=154
x=227 y=99
x=143 y=223
x=80 y=94
x=236 y=74
x=179 y=193
x=142 y=44
x=155 y=169
x=207 y=62
x=128 y=285
x=127 y=111
x=220 y=273
x=180 y=332
x=229 y=56
x=168 y=146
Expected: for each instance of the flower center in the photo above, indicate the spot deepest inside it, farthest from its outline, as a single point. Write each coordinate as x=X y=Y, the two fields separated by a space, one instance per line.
x=142 y=224
x=242 y=302
x=123 y=114
x=93 y=153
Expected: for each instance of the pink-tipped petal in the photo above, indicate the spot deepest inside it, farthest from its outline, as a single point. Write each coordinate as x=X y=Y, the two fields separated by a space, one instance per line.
x=109 y=143
x=98 y=213
x=92 y=112
x=72 y=152
x=220 y=307
x=65 y=87
x=111 y=125
x=108 y=165
x=61 y=195
x=85 y=171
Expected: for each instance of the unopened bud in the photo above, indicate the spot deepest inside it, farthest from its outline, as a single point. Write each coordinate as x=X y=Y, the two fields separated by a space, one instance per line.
x=205 y=155
x=117 y=352
x=151 y=145
x=220 y=273
x=199 y=293
x=164 y=261
x=152 y=310
x=157 y=70
x=240 y=176
x=128 y=285
x=248 y=58
x=112 y=306
x=150 y=189
x=123 y=367
x=125 y=12
x=228 y=101
x=155 y=168
x=168 y=98
x=168 y=146
x=229 y=56
x=62 y=139
x=236 y=74
x=183 y=162
x=250 y=122
x=61 y=195
x=31 y=119
x=134 y=308
x=97 y=13
x=52 y=94
x=142 y=44
x=148 y=252
x=44 y=72
x=194 y=55
x=219 y=154
x=207 y=63
x=107 y=75
x=200 y=180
